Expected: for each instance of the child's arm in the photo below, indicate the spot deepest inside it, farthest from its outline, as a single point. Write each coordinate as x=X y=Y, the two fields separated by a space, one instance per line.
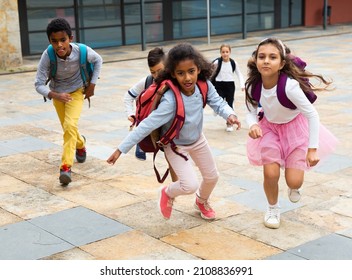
x=97 y=60
x=131 y=96
x=232 y=119
x=240 y=76
x=312 y=157
x=255 y=131
x=114 y=157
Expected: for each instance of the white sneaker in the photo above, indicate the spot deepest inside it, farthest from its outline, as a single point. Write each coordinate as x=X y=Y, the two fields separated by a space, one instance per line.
x=229 y=128
x=272 y=217
x=294 y=195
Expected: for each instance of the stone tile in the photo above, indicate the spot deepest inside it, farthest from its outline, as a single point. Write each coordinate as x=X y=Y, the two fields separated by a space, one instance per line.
x=223 y=207
x=8 y=132
x=289 y=235
x=79 y=225
x=211 y=242
x=335 y=163
x=8 y=218
x=146 y=218
x=247 y=184
x=10 y=184
x=71 y=254
x=92 y=195
x=5 y=151
x=347 y=232
x=343 y=207
x=135 y=245
x=16 y=164
x=247 y=219
x=285 y=256
x=256 y=199
x=142 y=186
x=329 y=247
x=25 y=241
x=32 y=203
x=26 y=144
x=225 y=187
x=100 y=152
x=320 y=216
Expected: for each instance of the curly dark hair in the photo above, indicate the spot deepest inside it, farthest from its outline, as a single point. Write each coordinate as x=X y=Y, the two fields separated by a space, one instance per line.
x=291 y=69
x=180 y=52
x=58 y=24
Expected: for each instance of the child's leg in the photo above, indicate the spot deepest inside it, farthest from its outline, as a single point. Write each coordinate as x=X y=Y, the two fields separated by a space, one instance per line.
x=69 y=114
x=203 y=158
x=294 y=178
x=230 y=93
x=271 y=182
x=172 y=172
x=271 y=188
x=187 y=178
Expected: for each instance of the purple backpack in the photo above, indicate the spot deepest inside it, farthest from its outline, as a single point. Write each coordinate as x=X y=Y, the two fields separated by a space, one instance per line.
x=281 y=84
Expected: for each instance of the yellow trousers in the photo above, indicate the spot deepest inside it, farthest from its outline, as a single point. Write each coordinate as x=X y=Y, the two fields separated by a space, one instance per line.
x=69 y=114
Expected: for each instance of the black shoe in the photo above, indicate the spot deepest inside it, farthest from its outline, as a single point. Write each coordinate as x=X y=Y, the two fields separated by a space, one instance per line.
x=81 y=154
x=65 y=175
x=140 y=154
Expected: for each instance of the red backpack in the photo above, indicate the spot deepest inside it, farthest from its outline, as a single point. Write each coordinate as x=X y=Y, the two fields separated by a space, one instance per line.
x=148 y=101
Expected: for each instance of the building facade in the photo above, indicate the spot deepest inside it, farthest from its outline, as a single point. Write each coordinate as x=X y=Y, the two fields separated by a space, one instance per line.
x=111 y=23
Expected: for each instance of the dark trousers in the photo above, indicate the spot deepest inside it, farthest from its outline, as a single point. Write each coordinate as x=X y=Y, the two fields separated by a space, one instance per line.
x=227 y=91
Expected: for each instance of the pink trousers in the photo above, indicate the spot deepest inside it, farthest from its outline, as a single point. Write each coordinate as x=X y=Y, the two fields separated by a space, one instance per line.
x=199 y=154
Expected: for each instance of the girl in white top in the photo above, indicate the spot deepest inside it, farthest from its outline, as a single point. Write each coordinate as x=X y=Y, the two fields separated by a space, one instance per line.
x=292 y=139
x=224 y=80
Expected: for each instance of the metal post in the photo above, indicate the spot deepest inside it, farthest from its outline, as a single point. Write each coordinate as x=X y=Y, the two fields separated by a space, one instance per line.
x=325 y=13
x=244 y=19
x=142 y=25
x=208 y=20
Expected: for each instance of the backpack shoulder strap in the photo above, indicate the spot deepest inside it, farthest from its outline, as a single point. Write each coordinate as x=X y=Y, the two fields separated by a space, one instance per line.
x=53 y=62
x=179 y=118
x=233 y=64
x=83 y=58
x=256 y=91
x=281 y=92
x=148 y=81
x=217 y=70
x=203 y=88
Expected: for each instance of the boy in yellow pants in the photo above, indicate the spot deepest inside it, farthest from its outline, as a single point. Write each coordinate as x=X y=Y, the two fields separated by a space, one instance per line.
x=67 y=90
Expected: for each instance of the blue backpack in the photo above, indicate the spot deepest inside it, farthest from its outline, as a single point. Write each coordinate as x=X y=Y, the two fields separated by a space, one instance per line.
x=86 y=67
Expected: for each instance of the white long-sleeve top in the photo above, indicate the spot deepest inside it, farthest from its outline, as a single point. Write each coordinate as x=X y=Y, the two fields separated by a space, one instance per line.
x=226 y=74
x=131 y=95
x=276 y=113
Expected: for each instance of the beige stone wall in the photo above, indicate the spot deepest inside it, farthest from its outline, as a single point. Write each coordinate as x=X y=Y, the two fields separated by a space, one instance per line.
x=10 y=39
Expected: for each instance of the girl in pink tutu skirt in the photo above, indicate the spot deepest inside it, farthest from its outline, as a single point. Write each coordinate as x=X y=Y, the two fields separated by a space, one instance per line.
x=287 y=138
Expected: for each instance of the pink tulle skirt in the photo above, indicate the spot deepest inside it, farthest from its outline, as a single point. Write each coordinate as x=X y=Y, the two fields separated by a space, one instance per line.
x=287 y=144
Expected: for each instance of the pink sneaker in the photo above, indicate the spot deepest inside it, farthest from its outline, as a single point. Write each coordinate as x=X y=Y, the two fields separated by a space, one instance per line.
x=206 y=212
x=165 y=203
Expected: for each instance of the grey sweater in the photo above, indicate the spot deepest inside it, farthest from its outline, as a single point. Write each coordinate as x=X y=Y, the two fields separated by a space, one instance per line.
x=68 y=76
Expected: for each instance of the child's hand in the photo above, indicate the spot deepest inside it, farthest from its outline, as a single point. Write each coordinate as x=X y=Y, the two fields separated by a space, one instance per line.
x=232 y=119
x=255 y=131
x=312 y=157
x=89 y=91
x=114 y=157
x=63 y=97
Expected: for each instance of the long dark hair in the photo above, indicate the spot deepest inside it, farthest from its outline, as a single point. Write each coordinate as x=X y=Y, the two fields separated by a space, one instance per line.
x=182 y=52
x=290 y=68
